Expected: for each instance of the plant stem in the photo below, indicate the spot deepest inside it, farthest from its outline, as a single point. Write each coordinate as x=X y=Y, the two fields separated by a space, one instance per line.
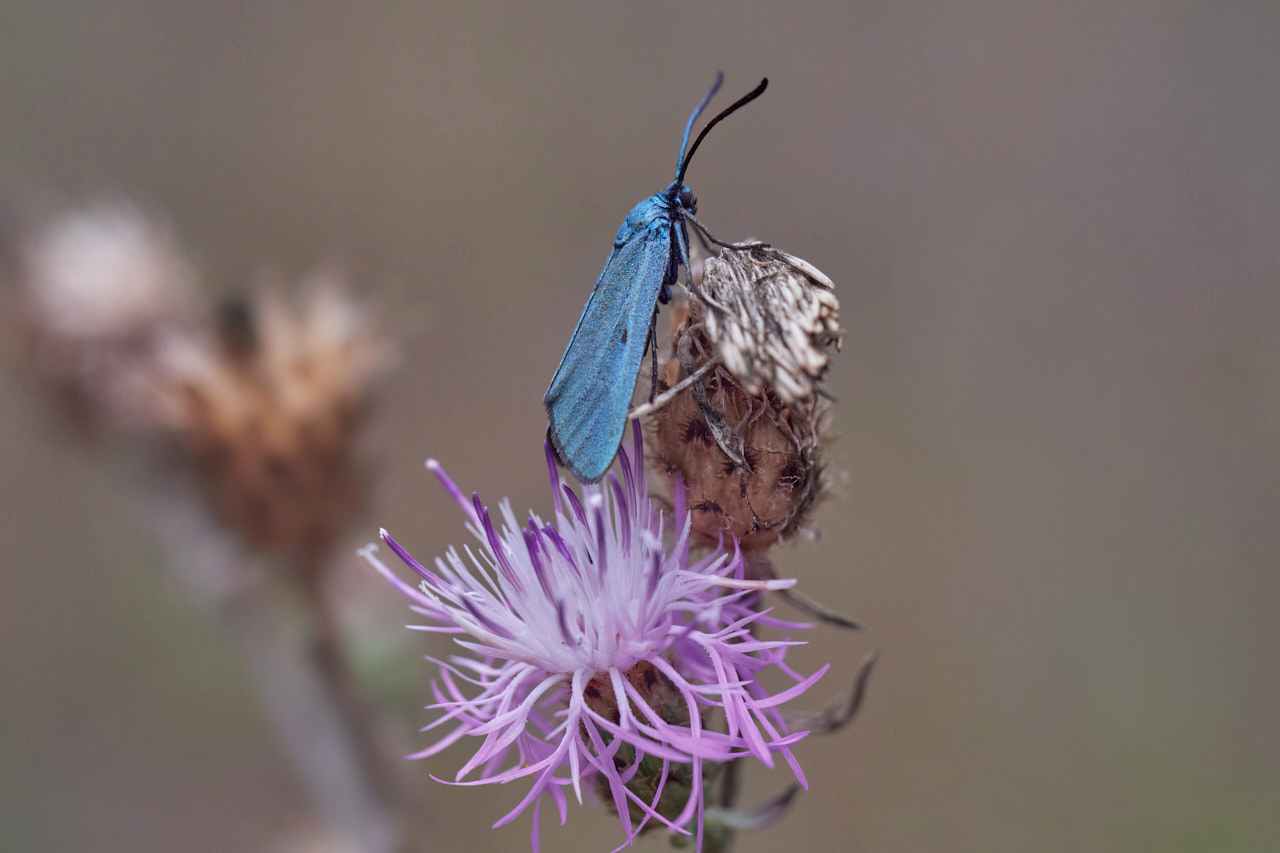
x=301 y=676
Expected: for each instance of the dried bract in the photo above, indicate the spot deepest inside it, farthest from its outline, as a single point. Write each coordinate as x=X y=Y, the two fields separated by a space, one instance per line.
x=771 y=317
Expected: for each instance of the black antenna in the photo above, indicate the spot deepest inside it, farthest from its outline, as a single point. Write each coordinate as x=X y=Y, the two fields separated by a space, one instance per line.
x=729 y=110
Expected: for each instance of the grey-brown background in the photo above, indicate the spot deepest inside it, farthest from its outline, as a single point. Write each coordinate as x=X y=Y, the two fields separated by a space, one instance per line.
x=1054 y=232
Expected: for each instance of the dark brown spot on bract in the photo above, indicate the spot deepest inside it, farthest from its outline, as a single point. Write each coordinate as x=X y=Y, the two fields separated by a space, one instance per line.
x=708 y=506
x=696 y=430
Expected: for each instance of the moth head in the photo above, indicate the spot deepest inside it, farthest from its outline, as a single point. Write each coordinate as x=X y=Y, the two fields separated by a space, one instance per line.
x=687 y=201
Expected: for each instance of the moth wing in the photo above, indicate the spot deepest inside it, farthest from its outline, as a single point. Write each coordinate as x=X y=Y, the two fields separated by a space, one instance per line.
x=591 y=391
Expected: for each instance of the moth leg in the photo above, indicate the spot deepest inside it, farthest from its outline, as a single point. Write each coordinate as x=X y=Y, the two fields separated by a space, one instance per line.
x=729 y=442
x=702 y=238
x=688 y=268
x=740 y=246
x=681 y=242
x=653 y=349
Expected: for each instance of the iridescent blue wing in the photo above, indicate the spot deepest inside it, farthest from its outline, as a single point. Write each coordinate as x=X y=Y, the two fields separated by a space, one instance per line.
x=591 y=392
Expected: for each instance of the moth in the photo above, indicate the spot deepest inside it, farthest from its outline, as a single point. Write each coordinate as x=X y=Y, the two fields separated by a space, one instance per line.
x=590 y=393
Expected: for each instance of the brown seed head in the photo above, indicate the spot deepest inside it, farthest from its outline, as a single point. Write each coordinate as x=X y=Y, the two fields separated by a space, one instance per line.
x=750 y=463
x=268 y=408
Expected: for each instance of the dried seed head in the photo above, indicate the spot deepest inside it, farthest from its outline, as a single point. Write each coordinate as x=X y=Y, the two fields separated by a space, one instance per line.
x=750 y=463
x=770 y=317
x=102 y=285
x=268 y=408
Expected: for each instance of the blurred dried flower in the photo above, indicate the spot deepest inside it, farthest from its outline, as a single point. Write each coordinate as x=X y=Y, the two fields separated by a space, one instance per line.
x=268 y=410
x=106 y=272
x=262 y=407
x=750 y=463
x=771 y=317
x=102 y=284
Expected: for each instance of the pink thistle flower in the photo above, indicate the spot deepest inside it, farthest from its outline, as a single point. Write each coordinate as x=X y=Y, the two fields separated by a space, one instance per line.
x=591 y=647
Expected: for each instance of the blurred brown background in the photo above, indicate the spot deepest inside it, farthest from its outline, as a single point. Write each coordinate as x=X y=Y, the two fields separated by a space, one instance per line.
x=1053 y=228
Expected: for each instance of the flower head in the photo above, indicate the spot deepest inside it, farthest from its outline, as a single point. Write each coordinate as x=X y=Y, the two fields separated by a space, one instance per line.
x=595 y=651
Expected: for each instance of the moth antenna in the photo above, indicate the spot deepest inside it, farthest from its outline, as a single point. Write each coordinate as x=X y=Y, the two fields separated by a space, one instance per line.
x=697 y=111
x=728 y=111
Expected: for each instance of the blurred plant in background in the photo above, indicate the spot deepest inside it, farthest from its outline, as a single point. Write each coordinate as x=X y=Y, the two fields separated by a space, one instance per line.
x=102 y=287
x=236 y=434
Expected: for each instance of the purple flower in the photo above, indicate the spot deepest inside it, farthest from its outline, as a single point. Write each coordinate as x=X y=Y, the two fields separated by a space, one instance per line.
x=560 y=621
